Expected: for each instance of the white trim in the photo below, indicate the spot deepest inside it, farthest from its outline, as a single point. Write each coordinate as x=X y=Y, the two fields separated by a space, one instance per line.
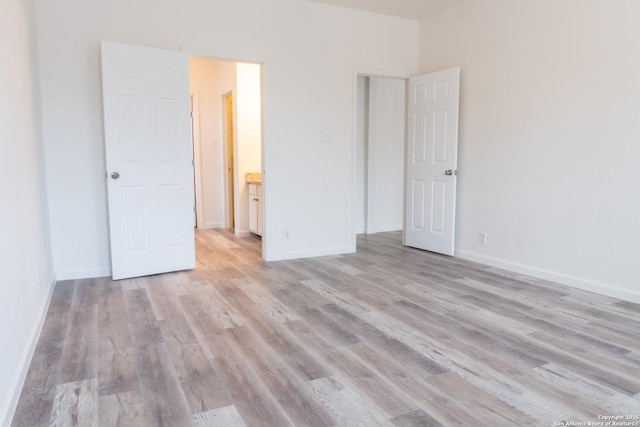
x=564 y=279
x=383 y=229
x=214 y=225
x=283 y=256
x=370 y=156
x=354 y=161
x=197 y=143
x=83 y=274
x=7 y=412
x=263 y=135
x=228 y=202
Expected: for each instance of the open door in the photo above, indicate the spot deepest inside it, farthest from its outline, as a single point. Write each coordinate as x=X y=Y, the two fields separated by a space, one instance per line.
x=432 y=158
x=148 y=159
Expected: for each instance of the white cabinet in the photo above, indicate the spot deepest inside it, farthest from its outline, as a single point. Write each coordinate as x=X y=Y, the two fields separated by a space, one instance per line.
x=255 y=208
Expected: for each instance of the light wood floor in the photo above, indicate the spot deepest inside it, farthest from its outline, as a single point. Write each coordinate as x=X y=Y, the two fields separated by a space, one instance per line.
x=388 y=336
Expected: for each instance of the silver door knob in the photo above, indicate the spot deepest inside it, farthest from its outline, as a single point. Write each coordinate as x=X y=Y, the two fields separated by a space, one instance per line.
x=115 y=175
x=448 y=172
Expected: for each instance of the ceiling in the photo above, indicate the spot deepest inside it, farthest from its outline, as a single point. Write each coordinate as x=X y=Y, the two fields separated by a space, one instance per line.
x=413 y=9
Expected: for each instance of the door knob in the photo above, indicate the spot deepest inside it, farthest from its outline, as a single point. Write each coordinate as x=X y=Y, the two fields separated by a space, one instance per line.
x=448 y=172
x=115 y=175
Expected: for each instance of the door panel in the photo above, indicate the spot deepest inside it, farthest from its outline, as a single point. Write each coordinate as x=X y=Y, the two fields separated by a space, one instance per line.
x=419 y=204
x=148 y=145
x=432 y=150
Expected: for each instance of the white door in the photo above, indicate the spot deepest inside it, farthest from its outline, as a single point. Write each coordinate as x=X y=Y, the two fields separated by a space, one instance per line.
x=148 y=159
x=432 y=150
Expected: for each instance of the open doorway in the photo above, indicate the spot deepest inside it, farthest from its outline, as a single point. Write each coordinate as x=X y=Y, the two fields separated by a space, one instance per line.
x=229 y=142
x=380 y=143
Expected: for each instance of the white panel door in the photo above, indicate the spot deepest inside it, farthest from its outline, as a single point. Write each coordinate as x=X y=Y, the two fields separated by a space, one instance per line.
x=432 y=161
x=149 y=159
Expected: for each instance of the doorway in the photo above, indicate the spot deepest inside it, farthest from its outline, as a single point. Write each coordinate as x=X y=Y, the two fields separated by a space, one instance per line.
x=380 y=141
x=230 y=139
x=424 y=182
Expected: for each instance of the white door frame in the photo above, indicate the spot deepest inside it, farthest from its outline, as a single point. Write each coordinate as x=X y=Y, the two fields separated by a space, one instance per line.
x=230 y=184
x=362 y=142
x=197 y=175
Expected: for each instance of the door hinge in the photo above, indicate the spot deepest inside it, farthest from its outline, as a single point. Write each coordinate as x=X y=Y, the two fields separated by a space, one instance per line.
x=194 y=209
x=193 y=163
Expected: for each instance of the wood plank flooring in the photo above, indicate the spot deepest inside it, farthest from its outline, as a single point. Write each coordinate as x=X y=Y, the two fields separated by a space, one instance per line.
x=388 y=336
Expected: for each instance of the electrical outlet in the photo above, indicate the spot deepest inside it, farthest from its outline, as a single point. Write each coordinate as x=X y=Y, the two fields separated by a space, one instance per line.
x=286 y=235
x=325 y=136
x=483 y=238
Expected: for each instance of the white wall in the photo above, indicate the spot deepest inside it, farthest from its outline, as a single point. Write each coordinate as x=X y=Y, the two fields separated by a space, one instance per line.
x=203 y=81
x=26 y=273
x=309 y=51
x=549 y=132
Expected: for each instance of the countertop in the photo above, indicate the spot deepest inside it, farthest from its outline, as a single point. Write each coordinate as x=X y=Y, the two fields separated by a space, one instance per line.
x=253 y=178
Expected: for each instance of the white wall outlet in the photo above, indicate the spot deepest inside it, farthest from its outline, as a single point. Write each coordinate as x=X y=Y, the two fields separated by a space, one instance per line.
x=325 y=136
x=482 y=238
x=286 y=234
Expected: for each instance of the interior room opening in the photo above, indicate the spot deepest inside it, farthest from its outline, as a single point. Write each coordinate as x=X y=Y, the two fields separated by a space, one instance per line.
x=227 y=144
x=379 y=153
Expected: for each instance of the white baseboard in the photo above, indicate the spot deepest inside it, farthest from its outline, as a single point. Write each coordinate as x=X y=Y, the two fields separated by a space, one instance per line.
x=9 y=406
x=208 y=225
x=282 y=256
x=564 y=279
x=384 y=229
x=242 y=233
x=83 y=274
